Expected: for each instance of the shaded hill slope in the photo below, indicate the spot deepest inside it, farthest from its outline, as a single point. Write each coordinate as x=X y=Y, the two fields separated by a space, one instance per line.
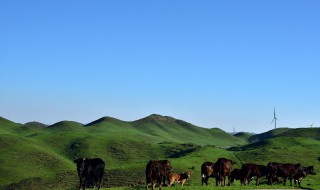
x=313 y=133
x=267 y=135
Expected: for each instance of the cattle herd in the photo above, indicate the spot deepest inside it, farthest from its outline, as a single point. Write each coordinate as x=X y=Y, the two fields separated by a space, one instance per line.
x=159 y=172
x=273 y=172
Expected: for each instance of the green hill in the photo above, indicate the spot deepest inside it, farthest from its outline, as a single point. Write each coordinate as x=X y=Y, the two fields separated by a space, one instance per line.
x=34 y=155
x=65 y=126
x=8 y=127
x=267 y=135
x=243 y=135
x=313 y=133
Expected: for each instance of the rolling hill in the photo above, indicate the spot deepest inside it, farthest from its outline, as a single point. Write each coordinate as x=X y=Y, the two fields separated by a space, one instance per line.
x=34 y=154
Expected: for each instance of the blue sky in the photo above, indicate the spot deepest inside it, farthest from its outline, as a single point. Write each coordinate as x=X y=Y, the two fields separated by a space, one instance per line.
x=212 y=63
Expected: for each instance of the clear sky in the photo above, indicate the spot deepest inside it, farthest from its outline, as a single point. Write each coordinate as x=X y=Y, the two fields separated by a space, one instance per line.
x=222 y=64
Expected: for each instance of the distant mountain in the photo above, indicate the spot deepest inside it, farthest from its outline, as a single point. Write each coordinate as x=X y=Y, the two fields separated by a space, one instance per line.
x=104 y=120
x=34 y=125
x=65 y=126
x=244 y=135
x=267 y=135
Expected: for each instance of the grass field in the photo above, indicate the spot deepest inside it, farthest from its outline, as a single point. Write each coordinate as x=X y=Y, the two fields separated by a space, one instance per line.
x=36 y=156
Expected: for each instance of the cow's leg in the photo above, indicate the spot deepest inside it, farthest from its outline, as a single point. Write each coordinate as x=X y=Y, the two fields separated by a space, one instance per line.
x=229 y=180
x=153 y=185
x=245 y=181
x=284 y=181
x=84 y=183
x=99 y=182
x=270 y=180
x=203 y=179
x=80 y=179
x=183 y=181
x=207 y=178
x=257 y=181
x=147 y=183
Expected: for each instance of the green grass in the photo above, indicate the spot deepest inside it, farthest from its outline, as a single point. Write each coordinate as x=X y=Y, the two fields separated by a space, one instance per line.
x=34 y=156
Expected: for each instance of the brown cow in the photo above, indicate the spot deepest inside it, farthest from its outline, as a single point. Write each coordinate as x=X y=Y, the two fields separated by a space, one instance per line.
x=250 y=170
x=180 y=178
x=156 y=172
x=207 y=171
x=223 y=168
x=286 y=171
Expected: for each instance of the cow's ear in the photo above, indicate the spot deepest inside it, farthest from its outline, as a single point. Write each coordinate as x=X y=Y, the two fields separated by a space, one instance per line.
x=84 y=159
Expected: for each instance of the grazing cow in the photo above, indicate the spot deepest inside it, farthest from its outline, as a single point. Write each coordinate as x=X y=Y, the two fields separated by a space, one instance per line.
x=180 y=178
x=207 y=171
x=286 y=171
x=90 y=170
x=250 y=170
x=223 y=168
x=236 y=174
x=157 y=171
x=305 y=171
x=273 y=172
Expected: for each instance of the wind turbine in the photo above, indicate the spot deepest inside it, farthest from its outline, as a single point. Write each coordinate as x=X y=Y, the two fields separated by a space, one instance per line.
x=311 y=125
x=275 y=119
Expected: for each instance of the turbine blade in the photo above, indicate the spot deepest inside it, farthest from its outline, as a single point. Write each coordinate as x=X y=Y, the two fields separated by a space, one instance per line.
x=272 y=121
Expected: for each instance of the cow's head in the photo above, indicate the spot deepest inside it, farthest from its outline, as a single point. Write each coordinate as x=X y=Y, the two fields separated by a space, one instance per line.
x=80 y=164
x=310 y=170
x=188 y=174
x=166 y=166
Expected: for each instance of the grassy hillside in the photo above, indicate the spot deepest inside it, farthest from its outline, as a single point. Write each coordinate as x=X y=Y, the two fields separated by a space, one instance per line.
x=267 y=135
x=8 y=127
x=34 y=156
x=243 y=135
x=313 y=133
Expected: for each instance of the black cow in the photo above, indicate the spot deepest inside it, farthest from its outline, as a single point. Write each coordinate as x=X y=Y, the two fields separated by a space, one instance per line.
x=223 y=168
x=305 y=171
x=250 y=170
x=207 y=171
x=157 y=171
x=286 y=171
x=236 y=174
x=90 y=170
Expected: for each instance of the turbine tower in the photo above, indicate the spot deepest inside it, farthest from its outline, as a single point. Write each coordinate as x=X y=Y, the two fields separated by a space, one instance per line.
x=274 y=118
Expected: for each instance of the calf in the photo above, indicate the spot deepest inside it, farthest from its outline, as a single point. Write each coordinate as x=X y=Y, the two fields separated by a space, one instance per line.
x=236 y=174
x=180 y=178
x=90 y=170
